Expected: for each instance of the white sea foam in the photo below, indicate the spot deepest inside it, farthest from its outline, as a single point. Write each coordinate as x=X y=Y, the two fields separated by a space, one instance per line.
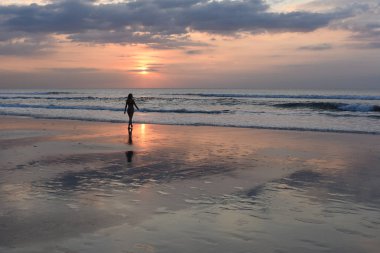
x=358 y=108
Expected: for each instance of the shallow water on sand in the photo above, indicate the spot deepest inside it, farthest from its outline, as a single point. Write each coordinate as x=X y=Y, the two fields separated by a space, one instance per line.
x=191 y=189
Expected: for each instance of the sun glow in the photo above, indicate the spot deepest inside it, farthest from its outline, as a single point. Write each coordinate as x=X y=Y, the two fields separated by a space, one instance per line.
x=143 y=70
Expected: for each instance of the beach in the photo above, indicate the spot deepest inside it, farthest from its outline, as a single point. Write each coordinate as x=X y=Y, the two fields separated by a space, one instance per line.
x=256 y=126
x=77 y=186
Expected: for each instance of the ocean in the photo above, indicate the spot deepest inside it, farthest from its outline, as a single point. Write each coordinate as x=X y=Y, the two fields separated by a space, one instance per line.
x=330 y=111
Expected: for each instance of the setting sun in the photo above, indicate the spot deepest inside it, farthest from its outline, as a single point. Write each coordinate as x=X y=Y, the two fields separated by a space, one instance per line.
x=143 y=70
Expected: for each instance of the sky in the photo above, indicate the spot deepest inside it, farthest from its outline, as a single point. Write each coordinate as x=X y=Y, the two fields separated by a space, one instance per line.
x=263 y=44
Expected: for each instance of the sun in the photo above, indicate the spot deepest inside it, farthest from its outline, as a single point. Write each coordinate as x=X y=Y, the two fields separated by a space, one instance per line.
x=143 y=70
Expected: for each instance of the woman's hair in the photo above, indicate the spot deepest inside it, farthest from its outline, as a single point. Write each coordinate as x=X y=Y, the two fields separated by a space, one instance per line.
x=130 y=96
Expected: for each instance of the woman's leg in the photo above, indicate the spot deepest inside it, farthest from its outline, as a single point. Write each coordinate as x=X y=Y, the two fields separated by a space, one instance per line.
x=130 y=115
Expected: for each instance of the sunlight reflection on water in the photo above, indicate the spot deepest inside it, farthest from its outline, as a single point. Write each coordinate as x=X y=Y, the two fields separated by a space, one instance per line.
x=198 y=190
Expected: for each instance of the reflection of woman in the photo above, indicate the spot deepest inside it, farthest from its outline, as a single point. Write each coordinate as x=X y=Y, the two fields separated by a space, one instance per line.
x=129 y=107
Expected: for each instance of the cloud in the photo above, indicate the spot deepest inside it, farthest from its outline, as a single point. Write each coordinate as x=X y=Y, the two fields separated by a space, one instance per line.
x=64 y=77
x=194 y=52
x=317 y=47
x=368 y=45
x=364 y=23
x=70 y=70
x=367 y=32
x=155 y=23
x=21 y=46
x=373 y=45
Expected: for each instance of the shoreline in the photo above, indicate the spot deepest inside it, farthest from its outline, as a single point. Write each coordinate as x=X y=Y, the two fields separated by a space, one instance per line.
x=292 y=129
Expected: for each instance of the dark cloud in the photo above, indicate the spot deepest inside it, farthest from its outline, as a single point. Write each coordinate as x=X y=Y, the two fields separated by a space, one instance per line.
x=22 y=47
x=317 y=47
x=70 y=70
x=156 y=23
x=20 y=44
x=194 y=52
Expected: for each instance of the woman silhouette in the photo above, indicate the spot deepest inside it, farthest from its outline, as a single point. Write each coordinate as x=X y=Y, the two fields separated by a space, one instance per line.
x=129 y=107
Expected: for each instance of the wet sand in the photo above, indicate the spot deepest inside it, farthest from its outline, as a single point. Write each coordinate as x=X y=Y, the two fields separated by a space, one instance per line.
x=71 y=186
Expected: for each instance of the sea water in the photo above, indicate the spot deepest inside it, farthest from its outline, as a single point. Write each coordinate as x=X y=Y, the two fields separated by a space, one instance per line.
x=336 y=111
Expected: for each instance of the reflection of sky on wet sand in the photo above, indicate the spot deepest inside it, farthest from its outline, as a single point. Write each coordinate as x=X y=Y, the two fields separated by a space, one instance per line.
x=195 y=189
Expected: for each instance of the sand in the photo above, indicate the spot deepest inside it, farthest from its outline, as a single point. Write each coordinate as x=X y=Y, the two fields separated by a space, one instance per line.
x=71 y=186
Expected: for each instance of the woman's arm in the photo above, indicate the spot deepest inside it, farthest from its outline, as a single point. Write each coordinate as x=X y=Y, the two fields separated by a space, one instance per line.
x=125 y=109
x=136 y=105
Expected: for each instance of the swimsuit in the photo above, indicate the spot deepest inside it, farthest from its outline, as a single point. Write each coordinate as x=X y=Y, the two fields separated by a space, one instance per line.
x=130 y=108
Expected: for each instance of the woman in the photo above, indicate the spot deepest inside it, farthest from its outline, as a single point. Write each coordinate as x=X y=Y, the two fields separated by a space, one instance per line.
x=129 y=107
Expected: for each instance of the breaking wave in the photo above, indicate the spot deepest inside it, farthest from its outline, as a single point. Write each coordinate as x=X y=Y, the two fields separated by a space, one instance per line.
x=39 y=93
x=331 y=106
x=60 y=98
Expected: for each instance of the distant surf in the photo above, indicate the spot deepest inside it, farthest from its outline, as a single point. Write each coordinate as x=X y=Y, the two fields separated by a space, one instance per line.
x=305 y=96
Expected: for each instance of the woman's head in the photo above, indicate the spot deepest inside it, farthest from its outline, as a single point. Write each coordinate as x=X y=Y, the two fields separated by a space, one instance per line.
x=130 y=96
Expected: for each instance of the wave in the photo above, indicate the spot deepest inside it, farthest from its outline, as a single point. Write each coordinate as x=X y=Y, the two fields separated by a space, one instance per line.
x=140 y=99
x=63 y=98
x=107 y=108
x=76 y=95
x=191 y=124
x=360 y=108
x=184 y=111
x=85 y=98
x=329 y=97
x=39 y=93
x=332 y=106
x=61 y=107
x=53 y=93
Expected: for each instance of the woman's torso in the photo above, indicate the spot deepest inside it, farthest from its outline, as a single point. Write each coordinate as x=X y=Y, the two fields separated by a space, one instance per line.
x=130 y=103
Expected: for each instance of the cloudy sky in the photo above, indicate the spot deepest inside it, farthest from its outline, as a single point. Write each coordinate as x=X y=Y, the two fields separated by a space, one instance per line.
x=275 y=44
